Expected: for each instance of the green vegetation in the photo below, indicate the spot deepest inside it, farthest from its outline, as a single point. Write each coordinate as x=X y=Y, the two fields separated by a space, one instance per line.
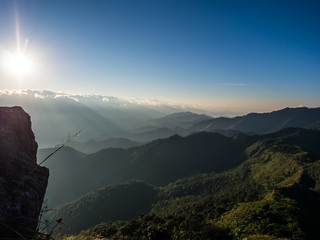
x=73 y=174
x=120 y=201
x=274 y=194
x=152 y=227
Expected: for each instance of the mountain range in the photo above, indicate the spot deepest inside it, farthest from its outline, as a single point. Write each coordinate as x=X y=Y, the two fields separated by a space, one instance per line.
x=267 y=187
x=145 y=172
x=158 y=162
x=114 y=165
x=54 y=115
x=93 y=146
x=260 y=123
x=186 y=123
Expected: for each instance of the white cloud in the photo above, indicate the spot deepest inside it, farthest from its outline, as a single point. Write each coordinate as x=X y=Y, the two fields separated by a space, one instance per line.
x=72 y=97
x=89 y=99
x=36 y=95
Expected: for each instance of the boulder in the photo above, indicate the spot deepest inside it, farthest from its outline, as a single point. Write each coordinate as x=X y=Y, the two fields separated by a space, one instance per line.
x=22 y=181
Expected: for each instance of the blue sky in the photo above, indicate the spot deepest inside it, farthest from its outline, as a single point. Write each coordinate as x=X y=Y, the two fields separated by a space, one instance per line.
x=224 y=55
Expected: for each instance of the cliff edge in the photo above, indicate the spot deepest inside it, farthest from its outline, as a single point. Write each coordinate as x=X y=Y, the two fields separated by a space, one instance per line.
x=22 y=181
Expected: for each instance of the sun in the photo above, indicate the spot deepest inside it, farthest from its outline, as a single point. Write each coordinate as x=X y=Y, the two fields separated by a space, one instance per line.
x=17 y=64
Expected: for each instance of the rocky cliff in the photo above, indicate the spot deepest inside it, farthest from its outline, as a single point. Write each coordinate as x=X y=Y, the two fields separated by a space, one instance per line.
x=22 y=181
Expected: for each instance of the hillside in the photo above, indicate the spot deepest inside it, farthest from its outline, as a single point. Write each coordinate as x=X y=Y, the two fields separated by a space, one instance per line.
x=274 y=194
x=154 y=134
x=73 y=173
x=93 y=146
x=164 y=127
x=119 y=201
x=179 y=119
x=160 y=162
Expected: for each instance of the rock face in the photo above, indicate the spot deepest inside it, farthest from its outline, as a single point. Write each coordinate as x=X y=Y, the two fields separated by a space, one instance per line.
x=22 y=181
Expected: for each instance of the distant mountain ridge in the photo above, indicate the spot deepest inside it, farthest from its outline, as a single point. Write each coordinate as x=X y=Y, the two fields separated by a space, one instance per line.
x=261 y=123
x=93 y=146
x=254 y=123
x=105 y=117
x=99 y=117
x=176 y=123
x=178 y=119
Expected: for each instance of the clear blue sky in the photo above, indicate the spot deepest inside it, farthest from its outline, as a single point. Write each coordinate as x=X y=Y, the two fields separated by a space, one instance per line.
x=249 y=55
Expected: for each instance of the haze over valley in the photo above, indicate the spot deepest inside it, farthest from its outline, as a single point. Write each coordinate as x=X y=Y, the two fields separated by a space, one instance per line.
x=114 y=122
x=159 y=120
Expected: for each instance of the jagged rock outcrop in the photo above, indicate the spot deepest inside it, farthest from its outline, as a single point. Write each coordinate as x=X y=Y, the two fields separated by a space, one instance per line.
x=22 y=181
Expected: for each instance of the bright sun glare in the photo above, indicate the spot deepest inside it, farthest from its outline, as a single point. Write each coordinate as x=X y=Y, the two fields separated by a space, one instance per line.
x=17 y=64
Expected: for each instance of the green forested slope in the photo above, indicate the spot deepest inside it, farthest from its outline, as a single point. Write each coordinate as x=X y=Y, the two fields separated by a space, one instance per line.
x=160 y=162
x=274 y=194
x=119 y=201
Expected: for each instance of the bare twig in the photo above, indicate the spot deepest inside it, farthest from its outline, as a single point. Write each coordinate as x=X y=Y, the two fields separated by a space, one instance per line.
x=69 y=140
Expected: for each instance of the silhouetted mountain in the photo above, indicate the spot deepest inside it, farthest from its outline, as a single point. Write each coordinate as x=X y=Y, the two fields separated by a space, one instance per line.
x=253 y=123
x=315 y=126
x=66 y=169
x=180 y=119
x=261 y=123
x=164 y=127
x=54 y=115
x=156 y=133
x=166 y=160
x=229 y=132
x=274 y=194
x=93 y=146
x=158 y=162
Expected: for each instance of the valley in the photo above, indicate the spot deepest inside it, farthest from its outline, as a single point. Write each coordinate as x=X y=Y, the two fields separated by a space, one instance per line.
x=199 y=186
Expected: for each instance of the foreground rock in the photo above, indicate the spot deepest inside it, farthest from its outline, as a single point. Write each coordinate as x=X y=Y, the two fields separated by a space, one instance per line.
x=22 y=181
